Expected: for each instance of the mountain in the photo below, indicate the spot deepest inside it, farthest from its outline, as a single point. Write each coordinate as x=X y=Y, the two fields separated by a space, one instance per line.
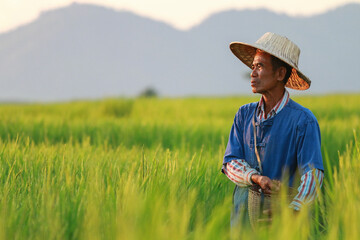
x=329 y=42
x=88 y=51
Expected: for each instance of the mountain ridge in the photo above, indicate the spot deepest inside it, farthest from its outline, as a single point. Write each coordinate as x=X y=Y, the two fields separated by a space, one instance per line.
x=88 y=51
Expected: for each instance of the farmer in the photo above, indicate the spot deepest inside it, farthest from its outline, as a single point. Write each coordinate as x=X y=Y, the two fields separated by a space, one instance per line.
x=287 y=134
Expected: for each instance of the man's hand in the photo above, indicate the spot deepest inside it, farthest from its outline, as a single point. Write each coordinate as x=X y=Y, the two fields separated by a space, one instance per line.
x=267 y=185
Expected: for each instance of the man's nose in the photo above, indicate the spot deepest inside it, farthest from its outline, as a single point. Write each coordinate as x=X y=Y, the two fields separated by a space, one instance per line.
x=253 y=73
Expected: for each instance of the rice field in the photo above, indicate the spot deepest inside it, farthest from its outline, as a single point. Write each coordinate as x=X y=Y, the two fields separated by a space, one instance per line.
x=149 y=168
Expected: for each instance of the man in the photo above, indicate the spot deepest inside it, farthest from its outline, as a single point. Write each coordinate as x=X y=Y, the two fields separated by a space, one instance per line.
x=287 y=134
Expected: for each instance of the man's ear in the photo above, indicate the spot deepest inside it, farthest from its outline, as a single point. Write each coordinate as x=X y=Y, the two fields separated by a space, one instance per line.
x=281 y=72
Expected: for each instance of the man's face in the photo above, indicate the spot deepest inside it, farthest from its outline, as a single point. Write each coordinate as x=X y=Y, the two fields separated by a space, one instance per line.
x=263 y=78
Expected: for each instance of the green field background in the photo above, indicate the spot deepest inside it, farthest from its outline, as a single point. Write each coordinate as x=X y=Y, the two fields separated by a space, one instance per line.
x=149 y=168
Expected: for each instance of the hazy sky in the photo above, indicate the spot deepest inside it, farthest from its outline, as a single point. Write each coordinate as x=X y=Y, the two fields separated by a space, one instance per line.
x=179 y=13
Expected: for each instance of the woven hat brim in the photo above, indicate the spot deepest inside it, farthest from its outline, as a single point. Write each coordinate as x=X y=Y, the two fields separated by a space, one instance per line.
x=246 y=53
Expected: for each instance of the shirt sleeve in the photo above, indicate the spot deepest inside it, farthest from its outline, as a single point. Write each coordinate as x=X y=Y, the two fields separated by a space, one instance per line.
x=307 y=192
x=308 y=146
x=234 y=148
x=239 y=172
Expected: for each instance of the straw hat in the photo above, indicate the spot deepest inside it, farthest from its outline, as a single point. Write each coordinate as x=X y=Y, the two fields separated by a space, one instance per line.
x=278 y=46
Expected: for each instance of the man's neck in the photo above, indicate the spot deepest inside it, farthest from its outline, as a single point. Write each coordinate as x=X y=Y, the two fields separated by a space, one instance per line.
x=271 y=99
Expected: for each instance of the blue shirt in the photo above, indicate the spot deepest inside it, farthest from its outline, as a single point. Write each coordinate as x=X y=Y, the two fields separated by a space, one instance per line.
x=286 y=142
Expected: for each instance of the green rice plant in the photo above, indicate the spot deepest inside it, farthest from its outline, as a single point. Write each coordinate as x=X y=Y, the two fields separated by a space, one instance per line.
x=116 y=107
x=78 y=171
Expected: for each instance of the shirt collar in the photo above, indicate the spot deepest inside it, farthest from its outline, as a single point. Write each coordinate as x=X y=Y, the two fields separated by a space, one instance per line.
x=260 y=113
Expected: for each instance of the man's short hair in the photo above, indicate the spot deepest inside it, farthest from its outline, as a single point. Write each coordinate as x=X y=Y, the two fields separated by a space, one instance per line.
x=277 y=63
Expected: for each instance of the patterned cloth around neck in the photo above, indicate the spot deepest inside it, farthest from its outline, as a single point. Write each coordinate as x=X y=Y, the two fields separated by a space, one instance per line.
x=260 y=112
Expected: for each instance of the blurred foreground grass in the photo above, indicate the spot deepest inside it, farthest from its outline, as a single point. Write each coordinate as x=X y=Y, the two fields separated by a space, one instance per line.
x=150 y=169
